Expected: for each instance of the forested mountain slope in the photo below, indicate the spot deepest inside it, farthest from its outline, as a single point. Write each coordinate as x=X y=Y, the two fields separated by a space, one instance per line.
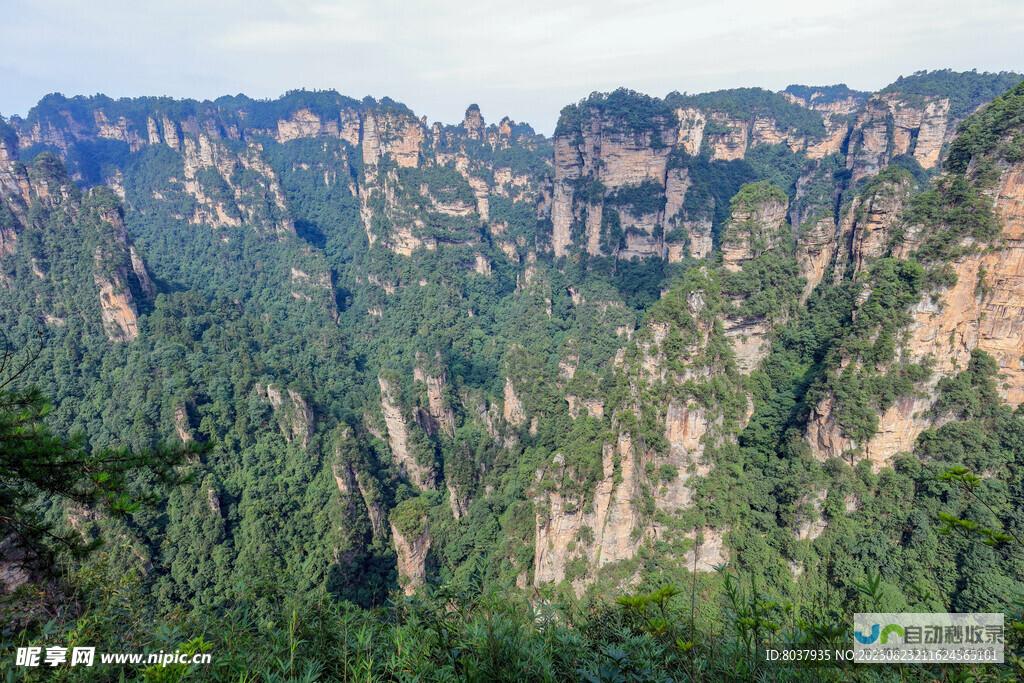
x=740 y=327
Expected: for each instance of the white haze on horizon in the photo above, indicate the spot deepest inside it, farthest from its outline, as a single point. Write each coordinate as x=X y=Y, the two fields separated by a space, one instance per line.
x=523 y=59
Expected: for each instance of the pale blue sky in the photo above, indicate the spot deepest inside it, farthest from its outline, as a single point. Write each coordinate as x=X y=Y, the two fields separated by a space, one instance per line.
x=524 y=58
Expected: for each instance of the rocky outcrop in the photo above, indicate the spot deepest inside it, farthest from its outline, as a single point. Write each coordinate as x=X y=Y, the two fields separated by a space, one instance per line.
x=756 y=224
x=117 y=305
x=374 y=508
x=599 y=531
x=117 y=270
x=457 y=502
x=398 y=135
x=313 y=283
x=982 y=309
x=827 y=250
x=304 y=123
x=708 y=551
x=141 y=274
x=868 y=225
x=15 y=190
x=440 y=415
x=399 y=437
x=686 y=425
x=42 y=196
x=583 y=525
x=355 y=485
x=816 y=249
x=811 y=523
x=294 y=416
x=182 y=424
x=259 y=201
x=749 y=340
x=15 y=565
x=412 y=551
x=892 y=125
x=473 y=123
x=605 y=166
x=591 y=406
x=513 y=411
x=726 y=125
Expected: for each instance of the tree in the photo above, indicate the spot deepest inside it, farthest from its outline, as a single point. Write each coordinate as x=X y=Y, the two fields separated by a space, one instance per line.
x=40 y=470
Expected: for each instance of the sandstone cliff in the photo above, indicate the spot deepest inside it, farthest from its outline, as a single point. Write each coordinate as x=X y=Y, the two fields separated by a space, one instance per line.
x=610 y=176
x=410 y=533
x=976 y=305
x=400 y=437
x=89 y=228
x=589 y=519
x=439 y=416
x=294 y=416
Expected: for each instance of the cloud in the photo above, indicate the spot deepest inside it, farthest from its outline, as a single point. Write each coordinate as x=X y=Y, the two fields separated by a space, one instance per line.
x=526 y=58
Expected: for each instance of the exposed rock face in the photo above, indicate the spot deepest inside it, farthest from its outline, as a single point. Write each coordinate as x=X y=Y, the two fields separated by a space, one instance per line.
x=14 y=572
x=294 y=416
x=596 y=160
x=441 y=415
x=692 y=122
x=412 y=559
x=607 y=152
x=685 y=426
x=458 y=503
x=473 y=123
x=399 y=437
x=259 y=201
x=15 y=190
x=816 y=249
x=513 y=411
x=757 y=225
x=374 y=509
x=730 y=141
x=315 y=286
x=394 y=134
x=863 y=234
x=402 y=212
x=824 y=434
x=141 y=274
x=304 y=123
x=111 y=276
x=357 y=488
x=891 y=125
x=213 y=501
x=119 y=274
x=182 y=424
x=403 y=217
x=725 y=136
x=708 y=551
x=117 y=306
x=577 y=533
x=812 y=524
x=983 y=309
x=869 y=223
x=592 y=406
x=602 y=535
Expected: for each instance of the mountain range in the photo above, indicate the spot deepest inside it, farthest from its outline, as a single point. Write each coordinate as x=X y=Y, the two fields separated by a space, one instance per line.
x=741 y=329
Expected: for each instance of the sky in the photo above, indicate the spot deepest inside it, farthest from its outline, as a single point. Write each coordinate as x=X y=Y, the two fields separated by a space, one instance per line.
x=522 y=58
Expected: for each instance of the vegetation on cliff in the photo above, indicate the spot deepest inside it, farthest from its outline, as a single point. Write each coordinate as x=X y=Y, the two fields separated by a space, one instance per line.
x=318 y=366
